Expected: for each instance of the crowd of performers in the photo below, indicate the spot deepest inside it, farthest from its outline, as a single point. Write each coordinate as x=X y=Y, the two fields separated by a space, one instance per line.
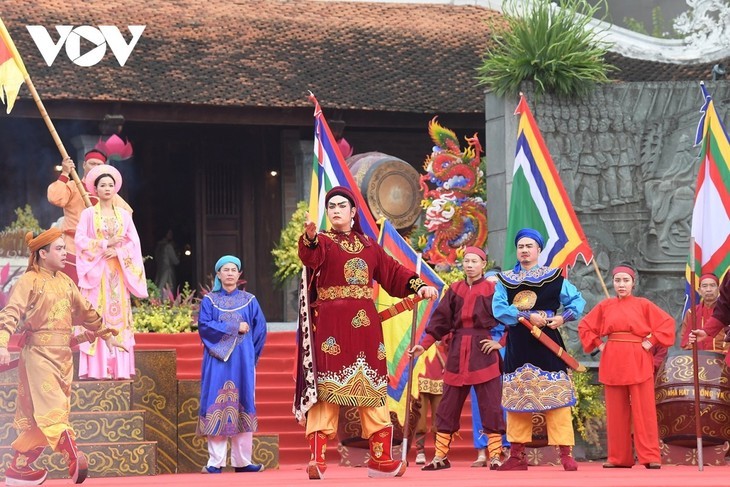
x=483 y=349
x=76 y=293
x=511 y=370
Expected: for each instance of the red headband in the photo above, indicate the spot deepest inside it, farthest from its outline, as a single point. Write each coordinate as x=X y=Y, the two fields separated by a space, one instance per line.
x=95 y=154
x=710 y=275
x=627 y=270
x=476 y=251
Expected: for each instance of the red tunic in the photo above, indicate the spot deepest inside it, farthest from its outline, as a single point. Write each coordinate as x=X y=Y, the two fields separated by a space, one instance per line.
x=704 y=313
x=466 y=311
x=348 y=337
x=626 y=322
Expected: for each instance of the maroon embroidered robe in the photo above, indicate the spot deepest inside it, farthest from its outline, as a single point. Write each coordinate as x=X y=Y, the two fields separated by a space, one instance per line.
x=348 y=339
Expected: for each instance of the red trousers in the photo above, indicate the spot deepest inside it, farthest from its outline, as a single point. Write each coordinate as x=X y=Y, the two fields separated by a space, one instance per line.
x=626 y=406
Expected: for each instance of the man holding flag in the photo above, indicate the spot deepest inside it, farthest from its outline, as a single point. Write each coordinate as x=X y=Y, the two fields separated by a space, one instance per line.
x=347 y=343
x=711 y=215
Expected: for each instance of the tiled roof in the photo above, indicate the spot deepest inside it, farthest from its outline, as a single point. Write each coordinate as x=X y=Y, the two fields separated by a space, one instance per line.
x=412 y=58
x=267 y=53
x=639 y=70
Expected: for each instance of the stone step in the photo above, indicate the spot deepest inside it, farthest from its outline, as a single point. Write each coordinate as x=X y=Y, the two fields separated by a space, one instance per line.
x=92 y=395
x=91 y=426
x=123 y=459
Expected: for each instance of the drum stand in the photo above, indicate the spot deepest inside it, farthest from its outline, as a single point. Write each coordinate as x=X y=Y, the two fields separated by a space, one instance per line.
x=683 y=455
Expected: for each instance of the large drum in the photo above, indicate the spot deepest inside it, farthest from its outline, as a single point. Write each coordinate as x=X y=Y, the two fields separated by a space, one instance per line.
x=389 y=185
x=674 y=390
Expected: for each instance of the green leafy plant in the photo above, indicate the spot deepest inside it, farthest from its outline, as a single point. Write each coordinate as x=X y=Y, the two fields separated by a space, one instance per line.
x=286 y=252
x=590 y=409
x=176 y=314
x=554 y=47
x=12 y=238
x=25 y=221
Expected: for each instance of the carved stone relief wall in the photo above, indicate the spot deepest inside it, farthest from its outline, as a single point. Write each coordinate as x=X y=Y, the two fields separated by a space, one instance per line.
x=625 y=155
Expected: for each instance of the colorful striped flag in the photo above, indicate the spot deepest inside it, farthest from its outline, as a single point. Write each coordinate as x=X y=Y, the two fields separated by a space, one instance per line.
x=711 y=214
x=329 y=170
x=12 y=69
x=397 y=330
x=538 y=200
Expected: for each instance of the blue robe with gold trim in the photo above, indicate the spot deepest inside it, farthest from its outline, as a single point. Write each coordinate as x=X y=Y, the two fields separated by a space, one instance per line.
x=228 y=376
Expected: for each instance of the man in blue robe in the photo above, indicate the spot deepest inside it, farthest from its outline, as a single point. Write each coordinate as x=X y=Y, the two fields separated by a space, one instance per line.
x=233 y=330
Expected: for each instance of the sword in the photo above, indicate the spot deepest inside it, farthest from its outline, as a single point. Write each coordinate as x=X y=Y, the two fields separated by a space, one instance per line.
x=559 y=351
x=405 y=305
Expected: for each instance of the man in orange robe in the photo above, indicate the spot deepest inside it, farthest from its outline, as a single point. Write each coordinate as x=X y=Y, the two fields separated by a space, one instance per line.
x=48 y=304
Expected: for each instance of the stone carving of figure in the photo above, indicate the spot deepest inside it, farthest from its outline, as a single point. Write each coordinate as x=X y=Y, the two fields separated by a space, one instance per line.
x=588 y=173
x=608 y=163
x=670 y=197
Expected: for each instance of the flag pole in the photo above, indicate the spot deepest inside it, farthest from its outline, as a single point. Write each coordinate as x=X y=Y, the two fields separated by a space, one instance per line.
x=695 y=355
x=57 y=139
x=8 y=41
x=411 y=360
x=600 y=277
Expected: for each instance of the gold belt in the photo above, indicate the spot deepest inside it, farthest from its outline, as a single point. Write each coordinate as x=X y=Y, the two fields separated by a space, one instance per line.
x=342 y=292
x=624 y=336
x=41 y=339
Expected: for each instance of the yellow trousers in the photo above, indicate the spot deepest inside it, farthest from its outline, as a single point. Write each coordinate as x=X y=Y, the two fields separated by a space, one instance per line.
x=324 y=417
x=559 y=424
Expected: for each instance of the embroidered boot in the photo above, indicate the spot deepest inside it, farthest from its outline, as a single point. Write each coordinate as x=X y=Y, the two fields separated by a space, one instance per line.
x=76 y=460
x=20 y=471
x=317 y=448
x=566 y=458
x=381 y=463
x=517 y=459
x=420 y=441
x=440 y=462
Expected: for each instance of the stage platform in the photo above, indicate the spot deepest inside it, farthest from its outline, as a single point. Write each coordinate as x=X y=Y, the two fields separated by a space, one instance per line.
x=588 y=474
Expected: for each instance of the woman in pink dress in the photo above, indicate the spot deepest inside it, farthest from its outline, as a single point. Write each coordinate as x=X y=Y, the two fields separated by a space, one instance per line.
x=110 y=268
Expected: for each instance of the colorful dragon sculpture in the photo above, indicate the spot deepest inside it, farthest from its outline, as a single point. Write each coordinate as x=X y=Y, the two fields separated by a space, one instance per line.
x=454 y=199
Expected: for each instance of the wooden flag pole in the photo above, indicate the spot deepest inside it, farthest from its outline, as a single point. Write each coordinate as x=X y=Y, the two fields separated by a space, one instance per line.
x=600 y=277
x=8 y=41
x=57 y=139
x=411 y=360
x=695 y=355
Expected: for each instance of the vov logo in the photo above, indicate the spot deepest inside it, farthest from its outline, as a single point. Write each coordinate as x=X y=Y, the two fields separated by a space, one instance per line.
x=70 y=36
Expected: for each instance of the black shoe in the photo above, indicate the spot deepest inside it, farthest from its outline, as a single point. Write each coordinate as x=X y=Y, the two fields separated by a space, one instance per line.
x=250 y=468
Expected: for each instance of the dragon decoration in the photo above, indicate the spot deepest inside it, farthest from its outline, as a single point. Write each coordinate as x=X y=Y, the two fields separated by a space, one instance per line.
x=454 y=199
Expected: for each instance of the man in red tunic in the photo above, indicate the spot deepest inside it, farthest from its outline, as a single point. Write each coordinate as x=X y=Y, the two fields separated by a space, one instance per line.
x=349 y=353
x=473 y=360
x=709 y=291
x=719 y=320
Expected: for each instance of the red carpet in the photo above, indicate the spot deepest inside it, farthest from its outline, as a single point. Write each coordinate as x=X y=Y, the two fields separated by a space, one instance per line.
x=589 y=474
